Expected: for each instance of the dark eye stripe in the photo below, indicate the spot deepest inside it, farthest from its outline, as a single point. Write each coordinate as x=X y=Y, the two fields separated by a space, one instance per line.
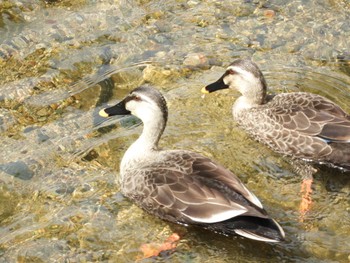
x=230 y=71
x=132 y=97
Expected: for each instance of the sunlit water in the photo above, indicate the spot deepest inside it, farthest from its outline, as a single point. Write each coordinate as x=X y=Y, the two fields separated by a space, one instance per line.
x=61 y=62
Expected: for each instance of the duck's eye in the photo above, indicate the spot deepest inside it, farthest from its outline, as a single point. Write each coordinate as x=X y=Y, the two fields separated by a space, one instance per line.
x=231 y=71
x=137 y=98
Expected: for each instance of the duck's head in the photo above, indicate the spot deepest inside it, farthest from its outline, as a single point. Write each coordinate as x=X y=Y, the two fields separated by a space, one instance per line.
x=243 y=75
x=144 y=102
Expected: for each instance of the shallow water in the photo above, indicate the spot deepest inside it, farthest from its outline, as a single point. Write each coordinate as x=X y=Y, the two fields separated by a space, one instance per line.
x=61 y=61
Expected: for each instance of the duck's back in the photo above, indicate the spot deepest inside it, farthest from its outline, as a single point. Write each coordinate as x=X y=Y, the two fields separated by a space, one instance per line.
x=169 y=183
x=301 y=125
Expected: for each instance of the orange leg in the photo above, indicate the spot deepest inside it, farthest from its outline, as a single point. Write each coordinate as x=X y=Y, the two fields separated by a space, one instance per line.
x=152 y=250
x=306 y=200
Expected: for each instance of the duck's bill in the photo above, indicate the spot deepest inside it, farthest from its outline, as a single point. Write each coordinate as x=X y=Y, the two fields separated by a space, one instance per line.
x=217 y=85
x=118 y=109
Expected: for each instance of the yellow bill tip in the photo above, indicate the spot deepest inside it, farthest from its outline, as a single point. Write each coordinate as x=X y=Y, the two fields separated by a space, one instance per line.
x=102 y=113
x=204 y=90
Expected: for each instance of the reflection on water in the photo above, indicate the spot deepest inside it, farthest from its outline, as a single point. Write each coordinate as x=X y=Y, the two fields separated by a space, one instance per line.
x=61 y=61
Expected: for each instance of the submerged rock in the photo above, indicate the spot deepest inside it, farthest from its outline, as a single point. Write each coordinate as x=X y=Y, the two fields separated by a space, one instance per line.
x=17 y=169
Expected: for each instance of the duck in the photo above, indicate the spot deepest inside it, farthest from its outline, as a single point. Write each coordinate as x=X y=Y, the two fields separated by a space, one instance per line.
x=182 y=186
x=307 y=127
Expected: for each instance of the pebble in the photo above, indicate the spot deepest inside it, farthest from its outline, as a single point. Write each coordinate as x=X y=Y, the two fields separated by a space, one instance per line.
x=269 y=13
x=43 y=112
x=196 y=60
x=158 y=75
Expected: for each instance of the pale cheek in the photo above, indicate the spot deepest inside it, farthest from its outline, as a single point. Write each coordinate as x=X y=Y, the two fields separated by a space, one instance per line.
x=237 y=83
x=131 y=107
x=229 y=82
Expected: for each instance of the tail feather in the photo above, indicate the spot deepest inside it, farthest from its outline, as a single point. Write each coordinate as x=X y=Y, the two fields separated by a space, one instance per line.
x=256 y=228
x=274 y=233
x=251 y=235
x=340 y=156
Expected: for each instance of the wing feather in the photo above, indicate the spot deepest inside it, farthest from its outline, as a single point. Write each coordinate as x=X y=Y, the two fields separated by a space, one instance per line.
x=311 y=115
x=205 y=192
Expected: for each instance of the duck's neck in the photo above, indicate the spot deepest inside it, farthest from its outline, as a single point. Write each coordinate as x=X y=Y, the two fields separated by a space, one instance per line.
x=255 y=93
x=151 y=133
x=147 y=143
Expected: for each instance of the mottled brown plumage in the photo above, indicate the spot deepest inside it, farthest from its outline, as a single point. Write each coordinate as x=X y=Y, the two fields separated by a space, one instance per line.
x=183 y=186
x=299 y=124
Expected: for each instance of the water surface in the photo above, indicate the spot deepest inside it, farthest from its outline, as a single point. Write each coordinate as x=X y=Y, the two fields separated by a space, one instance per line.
x=61 y=61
